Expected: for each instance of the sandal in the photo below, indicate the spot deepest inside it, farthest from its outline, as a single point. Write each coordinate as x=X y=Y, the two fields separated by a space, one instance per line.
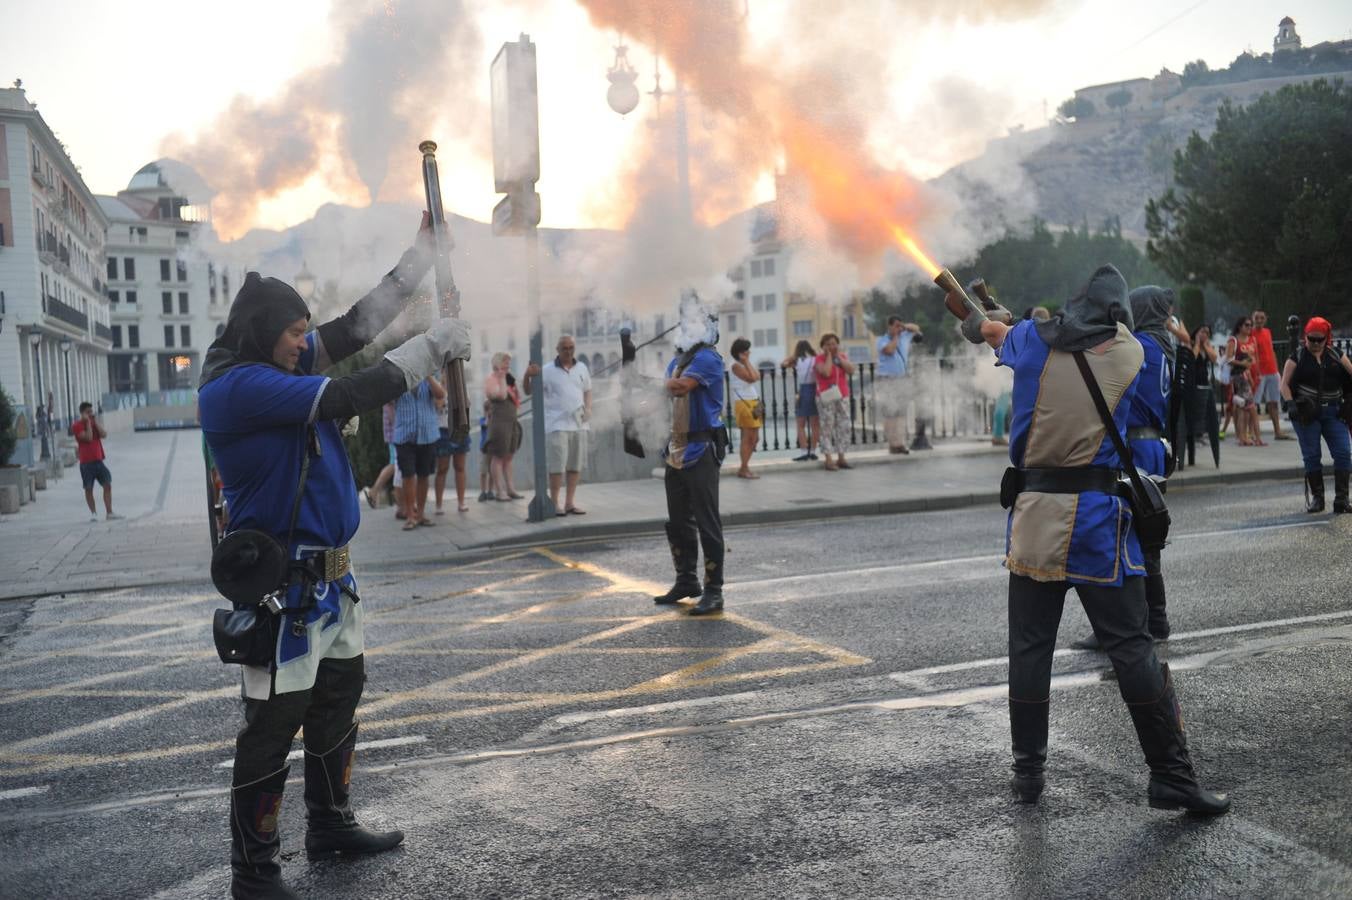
x=410 y=525
x=370 y=501
x=830 y=467
x=426 y=523
x=844 y=465
x=574 y=511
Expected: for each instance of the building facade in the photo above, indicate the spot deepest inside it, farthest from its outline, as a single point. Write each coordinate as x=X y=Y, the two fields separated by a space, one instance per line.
x=55 y=331
x=168 y=299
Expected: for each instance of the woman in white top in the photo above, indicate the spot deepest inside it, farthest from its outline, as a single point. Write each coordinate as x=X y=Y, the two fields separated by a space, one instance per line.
x=746 y=403
x=809 y=426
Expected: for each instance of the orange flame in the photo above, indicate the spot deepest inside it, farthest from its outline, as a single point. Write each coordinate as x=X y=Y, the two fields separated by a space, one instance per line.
x=866 y=207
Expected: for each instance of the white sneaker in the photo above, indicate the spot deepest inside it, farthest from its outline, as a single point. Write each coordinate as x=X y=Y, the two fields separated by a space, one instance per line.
x=93 y=518
x=112 y=516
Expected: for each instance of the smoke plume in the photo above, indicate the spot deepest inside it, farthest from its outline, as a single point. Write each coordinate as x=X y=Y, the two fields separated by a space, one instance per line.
x=340 y=122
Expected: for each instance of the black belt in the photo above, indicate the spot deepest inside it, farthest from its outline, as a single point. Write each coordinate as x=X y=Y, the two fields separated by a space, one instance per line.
x=695 y=437
x=1143 y=433
x=1068 y=480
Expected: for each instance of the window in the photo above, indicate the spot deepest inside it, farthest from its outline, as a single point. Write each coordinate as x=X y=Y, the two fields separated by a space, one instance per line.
x=117 y=335
x=114 y=297
x=112 y=268
x=129 y=269
x=182 y=270
x=758 y=337
x=133 y=336
x=131 y=296
x=182 y=303
x=732 y=323
x=769 y=302
x=185 y=336
x=758 y=303
x=167 y=304
x=755 y=268
x=164 y=270
x=168 y=335
x=772 y=335
x=802 y=328
x=769 y=267
x=847 y=325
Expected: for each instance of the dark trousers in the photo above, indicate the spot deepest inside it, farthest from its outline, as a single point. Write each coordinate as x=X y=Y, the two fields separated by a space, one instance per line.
x=692 y=509
x=1118 y=616
x=326 y=711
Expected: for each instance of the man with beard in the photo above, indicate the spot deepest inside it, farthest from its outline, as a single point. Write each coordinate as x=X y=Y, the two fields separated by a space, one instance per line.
x=693 y=454
x=272 y=423
x=1152 y=310
x=1066 y=529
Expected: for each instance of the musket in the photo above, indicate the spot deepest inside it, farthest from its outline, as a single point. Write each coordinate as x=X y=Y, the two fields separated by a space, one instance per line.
x=448 y=296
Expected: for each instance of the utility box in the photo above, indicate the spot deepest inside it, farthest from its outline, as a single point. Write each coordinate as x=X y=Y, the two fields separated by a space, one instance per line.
x=516 y=116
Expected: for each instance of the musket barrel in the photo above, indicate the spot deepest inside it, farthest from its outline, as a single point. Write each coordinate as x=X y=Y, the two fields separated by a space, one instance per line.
x=950 y=285
x=448 y=296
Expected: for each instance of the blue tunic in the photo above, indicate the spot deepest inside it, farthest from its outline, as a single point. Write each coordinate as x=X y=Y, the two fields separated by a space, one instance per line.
x=254 y=418
x=1150 y=406
x=1081 y=538
x=699 y=410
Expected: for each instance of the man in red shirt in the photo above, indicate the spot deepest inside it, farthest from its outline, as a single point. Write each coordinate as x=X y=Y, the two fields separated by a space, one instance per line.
x=89 y=435
x=1267 y=393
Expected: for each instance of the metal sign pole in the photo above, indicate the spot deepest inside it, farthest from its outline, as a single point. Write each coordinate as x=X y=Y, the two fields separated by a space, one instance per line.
x=541 y=505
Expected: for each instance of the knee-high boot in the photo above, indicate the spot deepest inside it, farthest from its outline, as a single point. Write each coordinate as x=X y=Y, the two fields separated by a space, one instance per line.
x=332 y=827
x=1173 y=783
x=1340 y=502
x=1028 y=730
x=685 y=557
x=1314 y=492
x=711 y=600
x=255 y=843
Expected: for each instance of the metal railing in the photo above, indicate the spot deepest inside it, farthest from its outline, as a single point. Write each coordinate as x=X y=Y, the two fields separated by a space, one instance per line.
x=58 y=309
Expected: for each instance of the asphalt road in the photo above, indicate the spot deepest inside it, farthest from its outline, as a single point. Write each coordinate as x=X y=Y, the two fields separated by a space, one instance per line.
x=539 y=728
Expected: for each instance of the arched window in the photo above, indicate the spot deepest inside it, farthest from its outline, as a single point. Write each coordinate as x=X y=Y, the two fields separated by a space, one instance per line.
x=598 y=362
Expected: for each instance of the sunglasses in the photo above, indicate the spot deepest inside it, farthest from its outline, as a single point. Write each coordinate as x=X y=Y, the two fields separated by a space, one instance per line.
x=1315 y=338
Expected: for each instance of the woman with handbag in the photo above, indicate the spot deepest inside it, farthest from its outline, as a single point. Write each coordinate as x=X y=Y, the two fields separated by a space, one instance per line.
x=833 y=373
x=1316 y=385
x=504 y=426
x=746 y=404
x=805 y=409
x=272 y=423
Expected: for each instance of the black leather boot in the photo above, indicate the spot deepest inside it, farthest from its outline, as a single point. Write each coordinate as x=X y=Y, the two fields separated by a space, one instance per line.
x=1173 y=784
x=711 y=601
x=1028 y=729
x=1340 y=503
x=1158 y=619
x=1314 y=492
x=332 y=828
x=255 y=843
x=685 y=557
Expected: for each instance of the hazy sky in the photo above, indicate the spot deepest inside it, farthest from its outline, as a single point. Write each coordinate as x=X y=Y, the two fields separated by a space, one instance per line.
x=114 y=80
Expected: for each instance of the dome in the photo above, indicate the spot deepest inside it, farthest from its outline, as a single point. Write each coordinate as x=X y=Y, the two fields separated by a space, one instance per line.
x=171 y=175
x=148 y=176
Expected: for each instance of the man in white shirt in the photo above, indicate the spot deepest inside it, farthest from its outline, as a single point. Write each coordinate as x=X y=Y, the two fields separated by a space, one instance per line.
x=568 y=408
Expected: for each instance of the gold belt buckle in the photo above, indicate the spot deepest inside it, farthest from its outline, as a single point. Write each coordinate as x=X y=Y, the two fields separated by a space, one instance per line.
x=335 y=563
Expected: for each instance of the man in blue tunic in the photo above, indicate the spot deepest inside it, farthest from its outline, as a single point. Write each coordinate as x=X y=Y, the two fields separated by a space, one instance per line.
x=693 y=454
x=1152 y=311
x=1068 y=528
x=264 y=408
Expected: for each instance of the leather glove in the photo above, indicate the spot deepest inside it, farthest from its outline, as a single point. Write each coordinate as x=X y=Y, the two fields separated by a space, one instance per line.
x=427 y=353
x=971 y=329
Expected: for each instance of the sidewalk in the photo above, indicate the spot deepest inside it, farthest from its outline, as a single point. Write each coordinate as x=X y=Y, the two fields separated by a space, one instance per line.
x=159 y=485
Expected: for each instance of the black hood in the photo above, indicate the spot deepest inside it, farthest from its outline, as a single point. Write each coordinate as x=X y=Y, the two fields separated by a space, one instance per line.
x=262 y=310
x=1091 y=316
x=1150 y=306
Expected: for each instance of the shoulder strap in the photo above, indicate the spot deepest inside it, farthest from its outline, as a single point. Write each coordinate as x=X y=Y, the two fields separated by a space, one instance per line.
x=1123 y=451
x=310 y=436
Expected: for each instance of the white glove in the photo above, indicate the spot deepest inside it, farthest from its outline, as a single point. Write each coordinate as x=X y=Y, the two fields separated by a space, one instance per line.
x=427 y=353
x=351 y=426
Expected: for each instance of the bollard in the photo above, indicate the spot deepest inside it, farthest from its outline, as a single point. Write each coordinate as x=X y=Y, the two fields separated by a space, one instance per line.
x=9 y=499
x=40 y=479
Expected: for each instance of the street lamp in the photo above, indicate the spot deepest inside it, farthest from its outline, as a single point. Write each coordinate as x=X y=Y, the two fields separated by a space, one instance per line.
x=65 y=346
x=41 y=415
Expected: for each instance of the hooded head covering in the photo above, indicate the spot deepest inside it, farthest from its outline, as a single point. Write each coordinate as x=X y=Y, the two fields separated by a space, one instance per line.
x=262 y=310
x=1150 y=306
x=1091 y=316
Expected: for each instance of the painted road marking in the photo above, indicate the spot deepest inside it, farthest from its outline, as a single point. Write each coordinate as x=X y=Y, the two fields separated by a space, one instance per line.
x=361 y=745
x=16 y=793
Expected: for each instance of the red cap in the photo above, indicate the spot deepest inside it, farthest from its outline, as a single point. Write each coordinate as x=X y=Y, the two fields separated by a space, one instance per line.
x=1318 y=325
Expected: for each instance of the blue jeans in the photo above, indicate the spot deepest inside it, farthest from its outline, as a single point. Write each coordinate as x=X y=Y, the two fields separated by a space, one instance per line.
x=1334 y=432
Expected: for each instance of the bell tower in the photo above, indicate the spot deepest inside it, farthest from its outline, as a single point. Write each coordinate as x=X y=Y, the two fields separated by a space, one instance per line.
x=1286 y=38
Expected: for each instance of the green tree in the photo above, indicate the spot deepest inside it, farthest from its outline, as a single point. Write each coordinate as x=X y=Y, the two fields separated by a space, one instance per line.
x=1118 y=99
x=1267 y=198
x=1195 y=73
x=1076 y=108
x=8 y=435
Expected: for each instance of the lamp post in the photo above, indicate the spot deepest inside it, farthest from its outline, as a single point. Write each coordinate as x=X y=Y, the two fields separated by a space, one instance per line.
x=65 y=346
x=41 y=415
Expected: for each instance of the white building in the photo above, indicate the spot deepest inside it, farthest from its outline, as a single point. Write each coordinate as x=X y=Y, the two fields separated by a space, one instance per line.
x=756 y=309
x=54 y=319
x=168 y=299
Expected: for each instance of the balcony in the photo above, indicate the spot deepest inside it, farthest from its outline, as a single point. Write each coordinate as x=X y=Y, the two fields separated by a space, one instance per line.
x=64 y=312
x=103 y=331
x=47 y=248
